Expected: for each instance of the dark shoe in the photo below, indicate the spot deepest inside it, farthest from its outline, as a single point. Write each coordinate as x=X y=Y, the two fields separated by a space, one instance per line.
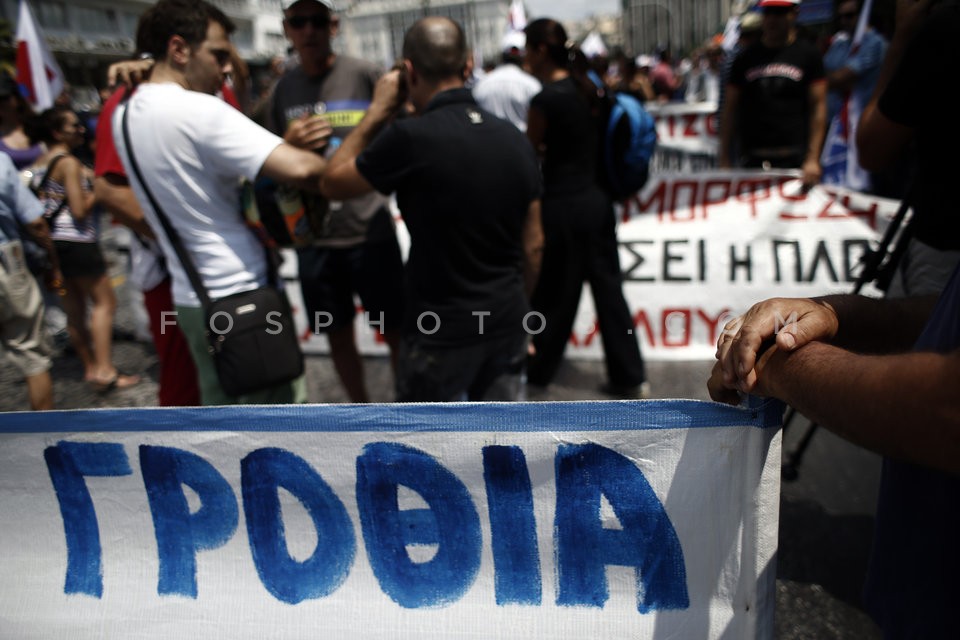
x=118 y=381
x=633 y=392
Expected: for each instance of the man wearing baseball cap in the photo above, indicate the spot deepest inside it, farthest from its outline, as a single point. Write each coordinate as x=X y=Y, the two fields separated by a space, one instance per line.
x=507 y=90
x=775 y=102
x=314 y=106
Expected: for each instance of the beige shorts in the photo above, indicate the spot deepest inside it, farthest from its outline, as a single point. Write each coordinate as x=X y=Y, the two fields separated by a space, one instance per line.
x=21 y=313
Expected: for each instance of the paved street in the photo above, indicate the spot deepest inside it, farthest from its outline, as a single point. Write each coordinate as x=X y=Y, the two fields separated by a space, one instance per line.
x=826 y=514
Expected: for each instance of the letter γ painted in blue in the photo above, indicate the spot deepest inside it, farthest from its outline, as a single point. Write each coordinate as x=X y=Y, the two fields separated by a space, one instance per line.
x=262 y=473
x=68 y=463
x=647 y=540
x=451 y=522
x=513 y=526
x=181 y=534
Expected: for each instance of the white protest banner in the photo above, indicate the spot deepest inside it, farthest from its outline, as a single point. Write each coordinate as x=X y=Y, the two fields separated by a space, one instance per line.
x=542 y=520
x=697 y=248
x=687 y=136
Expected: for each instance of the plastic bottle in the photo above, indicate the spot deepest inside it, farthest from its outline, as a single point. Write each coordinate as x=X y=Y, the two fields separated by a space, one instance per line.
x=291 y=206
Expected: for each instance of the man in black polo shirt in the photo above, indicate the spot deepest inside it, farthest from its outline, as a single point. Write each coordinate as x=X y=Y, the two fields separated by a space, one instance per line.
x=468 y=187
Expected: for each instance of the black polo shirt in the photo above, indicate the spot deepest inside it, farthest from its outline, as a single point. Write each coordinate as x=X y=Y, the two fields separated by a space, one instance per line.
x=464 y=181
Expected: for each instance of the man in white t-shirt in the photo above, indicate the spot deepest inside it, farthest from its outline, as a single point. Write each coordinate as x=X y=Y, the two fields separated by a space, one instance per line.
x=193 y=151
x=507 y=90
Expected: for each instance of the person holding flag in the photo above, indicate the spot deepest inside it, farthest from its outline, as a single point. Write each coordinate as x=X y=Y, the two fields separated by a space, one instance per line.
x=852 y=64
x=38 y=73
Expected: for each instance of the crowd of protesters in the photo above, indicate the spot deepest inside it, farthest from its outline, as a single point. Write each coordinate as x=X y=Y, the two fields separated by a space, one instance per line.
x=336 y=263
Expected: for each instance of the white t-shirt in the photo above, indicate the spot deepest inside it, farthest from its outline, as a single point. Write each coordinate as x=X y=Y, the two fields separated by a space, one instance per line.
x=193 y=149
x=506 y=92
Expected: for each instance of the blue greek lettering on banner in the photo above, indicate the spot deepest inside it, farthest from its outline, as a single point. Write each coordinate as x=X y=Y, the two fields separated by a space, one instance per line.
x=181 y=534
x=451 y=522
x=68 y=463
x=647 y=540
x=513 y=527
x=263 y=472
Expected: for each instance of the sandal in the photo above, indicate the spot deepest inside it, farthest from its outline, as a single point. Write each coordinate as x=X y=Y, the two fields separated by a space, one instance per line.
x=118 y=381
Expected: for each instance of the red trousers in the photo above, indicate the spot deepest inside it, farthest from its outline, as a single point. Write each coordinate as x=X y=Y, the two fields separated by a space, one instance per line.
x=178 y=376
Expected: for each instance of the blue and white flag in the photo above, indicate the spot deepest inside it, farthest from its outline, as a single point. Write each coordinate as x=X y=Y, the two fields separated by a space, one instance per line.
x=840 y=161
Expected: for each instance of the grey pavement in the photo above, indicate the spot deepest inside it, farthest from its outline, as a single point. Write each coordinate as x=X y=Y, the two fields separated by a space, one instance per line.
x=826 y=515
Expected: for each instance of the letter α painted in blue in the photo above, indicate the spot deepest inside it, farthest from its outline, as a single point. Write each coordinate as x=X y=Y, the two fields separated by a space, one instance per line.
x=68 y=463
x=647 y=540
x=263 y=472
x=181 y=534
x=451 y=522
x=513 y=526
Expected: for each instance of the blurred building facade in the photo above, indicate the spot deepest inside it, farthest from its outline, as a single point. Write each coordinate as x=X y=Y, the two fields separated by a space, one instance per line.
x=677 y=25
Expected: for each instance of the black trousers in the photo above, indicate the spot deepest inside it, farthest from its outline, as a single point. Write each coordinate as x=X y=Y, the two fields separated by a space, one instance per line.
x=581 y=246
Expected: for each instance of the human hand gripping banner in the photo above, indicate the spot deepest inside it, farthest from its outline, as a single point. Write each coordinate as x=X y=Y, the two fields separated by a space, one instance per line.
x=653 y=519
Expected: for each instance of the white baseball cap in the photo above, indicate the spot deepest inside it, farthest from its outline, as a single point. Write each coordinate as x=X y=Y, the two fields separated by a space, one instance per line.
x=513 y=40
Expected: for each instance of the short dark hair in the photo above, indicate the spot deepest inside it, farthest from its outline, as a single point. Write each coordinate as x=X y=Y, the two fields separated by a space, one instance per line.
x=551 y=33
x=188 y=19
x=437 y=48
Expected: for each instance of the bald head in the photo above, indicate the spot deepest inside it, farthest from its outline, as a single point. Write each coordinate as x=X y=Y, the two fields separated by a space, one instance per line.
x=437 y=48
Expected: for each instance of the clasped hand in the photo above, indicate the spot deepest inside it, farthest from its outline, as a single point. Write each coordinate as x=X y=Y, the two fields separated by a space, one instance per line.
x=769 y=329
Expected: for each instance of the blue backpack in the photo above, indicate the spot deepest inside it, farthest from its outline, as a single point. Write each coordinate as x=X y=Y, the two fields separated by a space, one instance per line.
x=629 y=140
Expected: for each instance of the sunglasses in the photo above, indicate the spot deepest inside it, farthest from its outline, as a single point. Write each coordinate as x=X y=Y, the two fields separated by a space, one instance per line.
x=299 y=22
x=847 y=16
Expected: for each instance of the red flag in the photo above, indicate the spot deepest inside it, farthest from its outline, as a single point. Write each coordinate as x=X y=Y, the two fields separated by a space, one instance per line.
x=517 y=17
x=38 y=73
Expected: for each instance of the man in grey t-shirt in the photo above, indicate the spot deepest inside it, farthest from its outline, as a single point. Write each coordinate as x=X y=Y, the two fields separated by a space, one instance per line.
x=314 y=106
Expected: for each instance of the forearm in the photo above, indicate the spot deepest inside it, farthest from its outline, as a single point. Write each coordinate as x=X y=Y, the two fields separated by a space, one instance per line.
x=358 y=139
x=818 y=126
x=342 y=179
x=878 y=325
x=908 y=22
x=119 y=201
x=903 y=406
x=532 y=248
x=727 y=125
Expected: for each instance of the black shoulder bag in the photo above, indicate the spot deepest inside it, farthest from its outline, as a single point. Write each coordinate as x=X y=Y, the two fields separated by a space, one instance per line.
x=251 y=335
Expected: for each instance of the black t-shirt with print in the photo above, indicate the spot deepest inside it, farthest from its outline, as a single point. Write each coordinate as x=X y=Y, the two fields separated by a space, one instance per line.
x=774 y=95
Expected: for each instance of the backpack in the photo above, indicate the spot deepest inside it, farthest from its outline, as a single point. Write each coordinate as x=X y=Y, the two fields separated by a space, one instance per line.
x=627 y=144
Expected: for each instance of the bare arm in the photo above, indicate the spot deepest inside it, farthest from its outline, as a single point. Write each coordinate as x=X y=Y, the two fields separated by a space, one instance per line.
x=841 y=80
x=728 y=119
x=903 y=406
x=343 y=180
x=868 y=325
x=536 y=129
x=113 y=192
x=812 y=171
x=80 y=200
x=532 y=247
x=881 y=141
x=40 y=231
x=298 y=168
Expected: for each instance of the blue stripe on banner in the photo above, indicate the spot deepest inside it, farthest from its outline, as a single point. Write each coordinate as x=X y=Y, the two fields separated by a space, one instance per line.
x=625 y=415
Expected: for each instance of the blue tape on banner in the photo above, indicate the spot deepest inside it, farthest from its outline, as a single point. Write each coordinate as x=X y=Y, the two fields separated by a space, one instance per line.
x=506 y=417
